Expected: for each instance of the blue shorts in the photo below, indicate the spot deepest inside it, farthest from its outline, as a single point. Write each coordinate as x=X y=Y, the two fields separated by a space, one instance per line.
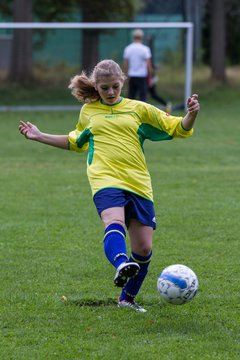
x=136 y=207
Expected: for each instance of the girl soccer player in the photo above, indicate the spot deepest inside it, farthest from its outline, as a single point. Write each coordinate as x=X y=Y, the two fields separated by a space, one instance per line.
x=113 y=129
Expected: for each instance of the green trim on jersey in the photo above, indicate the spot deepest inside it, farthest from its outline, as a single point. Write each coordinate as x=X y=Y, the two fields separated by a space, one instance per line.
x=146 y=131
x=86 y=137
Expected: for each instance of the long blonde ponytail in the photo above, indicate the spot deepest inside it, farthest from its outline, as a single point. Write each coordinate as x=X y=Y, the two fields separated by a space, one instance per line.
x=83 y=89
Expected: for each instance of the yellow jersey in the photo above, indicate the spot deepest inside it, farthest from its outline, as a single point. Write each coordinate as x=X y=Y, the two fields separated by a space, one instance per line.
x=114 y=136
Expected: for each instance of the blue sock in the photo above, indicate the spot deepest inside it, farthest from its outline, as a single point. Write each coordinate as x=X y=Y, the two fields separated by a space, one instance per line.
x=133 y=285
x=114 y=244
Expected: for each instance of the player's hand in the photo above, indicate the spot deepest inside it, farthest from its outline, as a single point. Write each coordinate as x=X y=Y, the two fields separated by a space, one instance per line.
x=29 y=130
x=193 y=104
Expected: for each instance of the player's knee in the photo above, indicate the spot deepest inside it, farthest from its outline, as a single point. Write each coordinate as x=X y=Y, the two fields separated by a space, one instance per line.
x=145 y=250
x=113 y=216
x=108 y=222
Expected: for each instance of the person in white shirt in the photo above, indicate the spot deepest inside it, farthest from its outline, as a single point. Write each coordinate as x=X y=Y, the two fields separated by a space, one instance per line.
x=137 y=66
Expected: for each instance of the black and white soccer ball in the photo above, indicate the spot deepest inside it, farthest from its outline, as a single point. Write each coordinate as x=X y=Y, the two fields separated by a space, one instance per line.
x=177 y=284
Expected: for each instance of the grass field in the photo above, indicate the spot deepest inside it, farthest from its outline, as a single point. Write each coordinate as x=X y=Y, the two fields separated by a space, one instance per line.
x=51 y=245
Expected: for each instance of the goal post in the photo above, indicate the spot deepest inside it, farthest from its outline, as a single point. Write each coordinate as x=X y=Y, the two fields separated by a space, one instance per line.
x=188 y=26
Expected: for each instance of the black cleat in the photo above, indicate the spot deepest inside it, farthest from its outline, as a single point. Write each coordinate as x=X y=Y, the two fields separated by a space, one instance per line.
x=124 y=271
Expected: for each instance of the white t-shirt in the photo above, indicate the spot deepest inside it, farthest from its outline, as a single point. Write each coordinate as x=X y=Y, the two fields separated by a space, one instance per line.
x=137 y=55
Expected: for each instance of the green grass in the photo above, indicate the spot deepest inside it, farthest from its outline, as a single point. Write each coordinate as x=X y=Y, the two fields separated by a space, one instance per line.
x=51 y=245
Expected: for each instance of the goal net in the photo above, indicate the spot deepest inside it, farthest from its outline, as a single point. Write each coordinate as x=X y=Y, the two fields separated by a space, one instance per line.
x=58 y=51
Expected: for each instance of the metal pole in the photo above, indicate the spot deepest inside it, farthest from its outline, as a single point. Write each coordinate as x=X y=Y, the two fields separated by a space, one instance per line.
x=188 y=62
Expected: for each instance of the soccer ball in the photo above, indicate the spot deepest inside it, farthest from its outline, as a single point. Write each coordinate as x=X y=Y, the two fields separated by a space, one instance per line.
x=177 y=284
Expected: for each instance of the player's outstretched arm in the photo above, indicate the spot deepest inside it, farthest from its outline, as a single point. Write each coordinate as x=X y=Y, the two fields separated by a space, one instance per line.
x=31 y=132
x=193 y=108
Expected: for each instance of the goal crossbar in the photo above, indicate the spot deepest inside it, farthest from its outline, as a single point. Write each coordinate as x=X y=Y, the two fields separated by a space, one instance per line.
x=188 y=26
x=94 y=25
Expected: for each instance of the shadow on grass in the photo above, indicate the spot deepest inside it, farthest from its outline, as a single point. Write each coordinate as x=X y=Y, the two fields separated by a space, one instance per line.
x=104 y=302
x=89 y=302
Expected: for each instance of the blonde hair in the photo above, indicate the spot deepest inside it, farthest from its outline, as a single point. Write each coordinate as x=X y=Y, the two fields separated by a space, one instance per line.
x=83 y=86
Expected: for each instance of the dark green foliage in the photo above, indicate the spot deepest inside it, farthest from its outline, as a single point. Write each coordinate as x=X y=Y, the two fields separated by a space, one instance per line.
x=233 y=31
x=114 y=10
x=232 y=9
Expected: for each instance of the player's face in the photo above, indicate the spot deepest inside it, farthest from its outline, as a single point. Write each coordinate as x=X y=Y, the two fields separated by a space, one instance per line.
x=109 y=89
